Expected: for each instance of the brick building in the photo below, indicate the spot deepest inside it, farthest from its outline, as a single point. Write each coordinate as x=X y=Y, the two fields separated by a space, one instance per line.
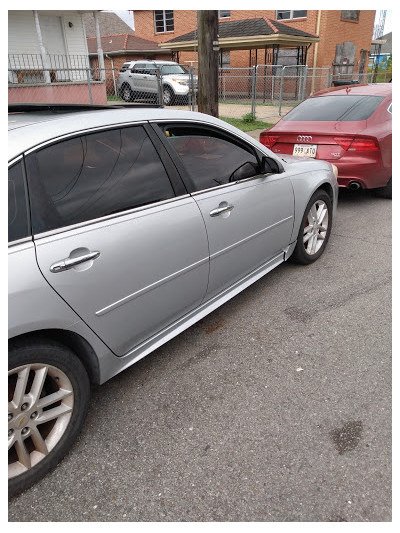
x=333 y=27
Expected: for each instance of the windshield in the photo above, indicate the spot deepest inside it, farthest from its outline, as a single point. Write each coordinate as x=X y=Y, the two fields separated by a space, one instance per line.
x=173 y=69
x=335 y=108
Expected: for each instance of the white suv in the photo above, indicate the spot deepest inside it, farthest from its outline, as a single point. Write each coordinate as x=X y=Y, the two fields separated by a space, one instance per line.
x=144 y=79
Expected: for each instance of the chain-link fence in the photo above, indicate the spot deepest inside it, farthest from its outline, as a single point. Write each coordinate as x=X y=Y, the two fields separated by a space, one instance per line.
x=264 y=91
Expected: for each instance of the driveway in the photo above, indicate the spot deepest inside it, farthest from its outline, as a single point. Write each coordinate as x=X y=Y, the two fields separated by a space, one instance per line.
x=276 y=407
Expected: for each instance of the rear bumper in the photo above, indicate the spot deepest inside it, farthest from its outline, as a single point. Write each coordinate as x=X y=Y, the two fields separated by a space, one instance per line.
x=369 y=174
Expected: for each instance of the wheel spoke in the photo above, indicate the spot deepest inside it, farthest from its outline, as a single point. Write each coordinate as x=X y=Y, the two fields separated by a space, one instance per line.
x=38 y=441
x=308 y=228
x=23 y=455
x=20 y=387
x=51 y=414
x=314 y=244
x=11 y=441
x=313 y=212
x=53 y=398
x=321 y=214
x=38 y=382
x=308 y=237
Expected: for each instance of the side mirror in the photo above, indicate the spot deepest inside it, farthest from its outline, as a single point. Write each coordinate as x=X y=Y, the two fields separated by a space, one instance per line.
x=247 y=170
x=270 y=166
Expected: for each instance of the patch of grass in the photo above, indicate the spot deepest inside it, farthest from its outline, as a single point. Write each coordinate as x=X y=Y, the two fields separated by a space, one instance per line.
x=113 y=98
x=244 y=125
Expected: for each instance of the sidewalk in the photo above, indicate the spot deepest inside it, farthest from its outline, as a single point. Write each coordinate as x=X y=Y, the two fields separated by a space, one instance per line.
x=266 y=113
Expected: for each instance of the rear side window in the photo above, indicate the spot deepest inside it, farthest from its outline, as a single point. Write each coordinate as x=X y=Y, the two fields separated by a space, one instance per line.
x=95 y=175
x=335 y=108
x=18 y=222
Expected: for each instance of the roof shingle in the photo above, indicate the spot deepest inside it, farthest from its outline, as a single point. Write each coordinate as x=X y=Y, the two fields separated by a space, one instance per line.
x=247 y=28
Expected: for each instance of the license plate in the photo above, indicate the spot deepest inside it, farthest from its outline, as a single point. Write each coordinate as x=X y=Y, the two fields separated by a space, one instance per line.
x=306 y=150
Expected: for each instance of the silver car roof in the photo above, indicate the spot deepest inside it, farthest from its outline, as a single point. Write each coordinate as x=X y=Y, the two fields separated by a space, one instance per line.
x=29 y=129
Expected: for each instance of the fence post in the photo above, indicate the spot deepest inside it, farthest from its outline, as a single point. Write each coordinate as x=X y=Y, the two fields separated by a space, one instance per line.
x=303 y=86
x=89 y=86
x=281 y=91
x=253 y=91
x=160 y=86
x=329 y=78
x=191 y=88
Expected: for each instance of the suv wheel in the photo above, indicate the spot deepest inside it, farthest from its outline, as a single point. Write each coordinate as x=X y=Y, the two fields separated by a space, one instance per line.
x=168 y=96
x=127 y=93
x=48 y=398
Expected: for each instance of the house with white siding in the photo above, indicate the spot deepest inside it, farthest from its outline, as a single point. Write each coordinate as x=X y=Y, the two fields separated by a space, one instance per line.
x=48 y=58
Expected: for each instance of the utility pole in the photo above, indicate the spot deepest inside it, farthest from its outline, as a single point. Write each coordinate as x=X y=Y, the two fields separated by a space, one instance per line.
x=207 y=25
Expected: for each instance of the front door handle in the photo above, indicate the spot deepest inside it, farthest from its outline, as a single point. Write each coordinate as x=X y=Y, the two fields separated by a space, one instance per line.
x=219 y=210
x=70 y=262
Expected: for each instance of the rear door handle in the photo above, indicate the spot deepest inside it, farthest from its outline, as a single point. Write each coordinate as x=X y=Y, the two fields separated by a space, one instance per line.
x=219 y=210
x=70 y=262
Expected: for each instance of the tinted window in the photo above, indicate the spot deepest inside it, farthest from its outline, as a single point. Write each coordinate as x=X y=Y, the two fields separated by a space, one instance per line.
x=336 y=107
x=209 y=159
x=93 y=176
x=18 y=224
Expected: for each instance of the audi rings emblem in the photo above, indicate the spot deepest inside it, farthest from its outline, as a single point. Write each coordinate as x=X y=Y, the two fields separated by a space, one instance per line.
x=304 y=138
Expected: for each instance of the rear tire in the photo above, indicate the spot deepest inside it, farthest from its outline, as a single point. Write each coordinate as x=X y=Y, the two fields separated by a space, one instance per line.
x=126 y=93
x=315 y=229
x=48 y=399
x=385 y=192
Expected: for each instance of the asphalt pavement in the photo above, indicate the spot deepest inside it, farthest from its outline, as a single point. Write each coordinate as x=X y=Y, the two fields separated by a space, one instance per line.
x=276 y=407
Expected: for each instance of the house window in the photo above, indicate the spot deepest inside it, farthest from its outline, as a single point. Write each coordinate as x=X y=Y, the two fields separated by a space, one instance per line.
x=287 y=14
x=163 y=21
x=224 y=13
x=350 y=15
x=225 y=59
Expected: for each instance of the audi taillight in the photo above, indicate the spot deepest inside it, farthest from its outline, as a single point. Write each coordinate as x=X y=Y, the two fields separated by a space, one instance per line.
x=357 y=144
x=268 y=140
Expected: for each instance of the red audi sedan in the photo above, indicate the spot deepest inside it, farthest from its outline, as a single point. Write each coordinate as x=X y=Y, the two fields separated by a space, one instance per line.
x=350 y=127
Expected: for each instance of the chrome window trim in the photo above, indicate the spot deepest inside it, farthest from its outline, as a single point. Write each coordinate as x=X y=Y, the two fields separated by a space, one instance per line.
x=84 y=132
x=20 y=241
x=389 y=109
x=15 y=160
x=63 y=229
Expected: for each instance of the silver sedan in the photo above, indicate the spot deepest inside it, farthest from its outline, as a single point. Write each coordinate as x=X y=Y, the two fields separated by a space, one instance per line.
x=125 y=228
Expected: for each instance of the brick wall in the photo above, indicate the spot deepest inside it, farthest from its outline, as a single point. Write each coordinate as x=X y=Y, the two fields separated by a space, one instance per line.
x=333 y=31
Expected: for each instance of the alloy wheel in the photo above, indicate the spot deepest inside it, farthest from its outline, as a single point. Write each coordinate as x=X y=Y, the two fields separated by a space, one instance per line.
x=316 y=227
x=40 y=404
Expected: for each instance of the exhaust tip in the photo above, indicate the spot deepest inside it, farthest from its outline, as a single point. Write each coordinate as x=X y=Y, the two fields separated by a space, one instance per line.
x=354 y=185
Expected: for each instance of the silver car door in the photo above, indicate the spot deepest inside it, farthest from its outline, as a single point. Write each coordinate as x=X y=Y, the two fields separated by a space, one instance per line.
x=248 y=223
x=248 y=216
x=130 y=273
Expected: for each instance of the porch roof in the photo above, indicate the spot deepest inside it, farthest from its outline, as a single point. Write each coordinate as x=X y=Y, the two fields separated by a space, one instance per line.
x=247 y=34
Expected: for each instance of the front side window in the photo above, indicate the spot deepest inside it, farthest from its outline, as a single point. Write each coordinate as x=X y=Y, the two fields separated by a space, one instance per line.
x=224 y=13
x=95 y=175
x=288 y=14
x=163 y=21
x=18 y=222
x=350 y=14
x=209 y=158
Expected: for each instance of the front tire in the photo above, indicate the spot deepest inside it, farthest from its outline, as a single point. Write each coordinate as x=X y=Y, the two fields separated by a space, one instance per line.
x=168 y=96
x=48 y=399
x=314 y=230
